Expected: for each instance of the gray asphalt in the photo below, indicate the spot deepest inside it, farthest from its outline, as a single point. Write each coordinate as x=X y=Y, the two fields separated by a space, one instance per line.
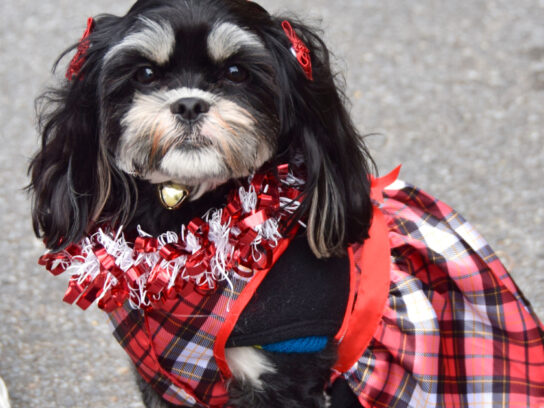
x=454 y=89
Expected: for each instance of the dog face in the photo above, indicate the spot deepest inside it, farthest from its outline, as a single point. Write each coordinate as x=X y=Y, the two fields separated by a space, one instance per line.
x=198 y=92
x=190 y=96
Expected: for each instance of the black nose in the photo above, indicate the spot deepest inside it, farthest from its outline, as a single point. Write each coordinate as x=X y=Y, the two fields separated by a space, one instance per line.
x=189 y=109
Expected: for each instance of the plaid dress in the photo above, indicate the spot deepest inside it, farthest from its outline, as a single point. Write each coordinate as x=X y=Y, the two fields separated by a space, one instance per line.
x=433 y=320
x=455 y=330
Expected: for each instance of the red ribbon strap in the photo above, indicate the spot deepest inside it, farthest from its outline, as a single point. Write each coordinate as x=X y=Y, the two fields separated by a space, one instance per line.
x=369 y=291
x=301 y=51
x=379 y=184
x=79 y=59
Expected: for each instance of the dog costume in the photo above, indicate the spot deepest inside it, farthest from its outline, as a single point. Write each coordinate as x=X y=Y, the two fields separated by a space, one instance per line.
x=431 y=317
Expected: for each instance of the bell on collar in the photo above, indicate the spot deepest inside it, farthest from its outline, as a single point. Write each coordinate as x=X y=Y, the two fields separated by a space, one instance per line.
x=172 y=195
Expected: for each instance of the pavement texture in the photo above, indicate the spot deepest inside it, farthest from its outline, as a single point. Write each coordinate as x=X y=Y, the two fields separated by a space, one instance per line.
x=453 y=90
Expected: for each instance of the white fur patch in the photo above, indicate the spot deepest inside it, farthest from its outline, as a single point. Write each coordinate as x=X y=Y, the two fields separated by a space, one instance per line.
x=187 y=167
x=226 y=39
x=155 y=42
x=248 y=364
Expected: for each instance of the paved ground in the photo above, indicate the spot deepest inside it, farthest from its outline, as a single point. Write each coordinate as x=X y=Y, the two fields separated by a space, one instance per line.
x=455 y=89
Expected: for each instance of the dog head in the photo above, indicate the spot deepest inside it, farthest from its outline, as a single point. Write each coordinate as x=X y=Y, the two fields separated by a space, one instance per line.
x=198 y=92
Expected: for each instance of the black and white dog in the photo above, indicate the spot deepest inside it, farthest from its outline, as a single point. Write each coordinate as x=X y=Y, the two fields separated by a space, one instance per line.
x=203 y=93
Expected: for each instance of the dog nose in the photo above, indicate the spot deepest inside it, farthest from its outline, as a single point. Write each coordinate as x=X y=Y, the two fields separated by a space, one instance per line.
x=189 y=109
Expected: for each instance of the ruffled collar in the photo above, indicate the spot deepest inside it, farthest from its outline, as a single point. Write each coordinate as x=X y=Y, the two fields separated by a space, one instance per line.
x=113 y=266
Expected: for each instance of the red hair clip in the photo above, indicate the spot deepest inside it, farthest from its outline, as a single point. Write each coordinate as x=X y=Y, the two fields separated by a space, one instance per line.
x=302 y=53
x=79 y=59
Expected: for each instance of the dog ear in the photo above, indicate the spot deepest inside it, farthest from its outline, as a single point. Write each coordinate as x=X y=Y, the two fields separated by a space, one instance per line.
x=72 y=176
x=314 y=121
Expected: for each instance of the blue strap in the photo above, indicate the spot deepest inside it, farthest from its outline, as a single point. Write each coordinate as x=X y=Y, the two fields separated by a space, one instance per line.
x=312 y=344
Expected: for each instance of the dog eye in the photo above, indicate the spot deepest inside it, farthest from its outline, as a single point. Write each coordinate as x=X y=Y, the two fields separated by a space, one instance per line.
x=235 y=73
x=145 y=75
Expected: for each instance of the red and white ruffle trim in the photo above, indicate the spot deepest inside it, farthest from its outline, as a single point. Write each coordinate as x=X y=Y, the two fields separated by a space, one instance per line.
x=112 y=266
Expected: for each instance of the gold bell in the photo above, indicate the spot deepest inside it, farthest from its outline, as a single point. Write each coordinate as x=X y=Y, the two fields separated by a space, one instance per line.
x=172 y=195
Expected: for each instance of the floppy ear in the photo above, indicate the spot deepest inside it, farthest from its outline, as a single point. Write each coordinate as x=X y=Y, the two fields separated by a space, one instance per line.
x=72 y=176
x=315 y=122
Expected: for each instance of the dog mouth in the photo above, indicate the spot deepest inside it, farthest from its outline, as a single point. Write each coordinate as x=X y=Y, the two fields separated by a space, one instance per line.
x=191 y=138
x=193 y=143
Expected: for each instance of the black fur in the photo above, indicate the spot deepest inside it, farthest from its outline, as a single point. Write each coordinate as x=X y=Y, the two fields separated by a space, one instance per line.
x=76 y=183
x=302 y=387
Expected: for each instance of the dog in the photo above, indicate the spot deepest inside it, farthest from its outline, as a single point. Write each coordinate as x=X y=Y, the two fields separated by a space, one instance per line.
x=173 y=111
x=218 y=87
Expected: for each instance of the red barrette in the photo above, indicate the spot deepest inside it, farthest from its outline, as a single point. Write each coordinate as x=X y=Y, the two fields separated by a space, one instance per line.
x=79 y=59
x=299 y=49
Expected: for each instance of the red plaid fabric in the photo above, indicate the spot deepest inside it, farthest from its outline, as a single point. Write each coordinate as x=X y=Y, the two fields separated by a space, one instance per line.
x=456 y=331
x=178 y=345
x=172 y=344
